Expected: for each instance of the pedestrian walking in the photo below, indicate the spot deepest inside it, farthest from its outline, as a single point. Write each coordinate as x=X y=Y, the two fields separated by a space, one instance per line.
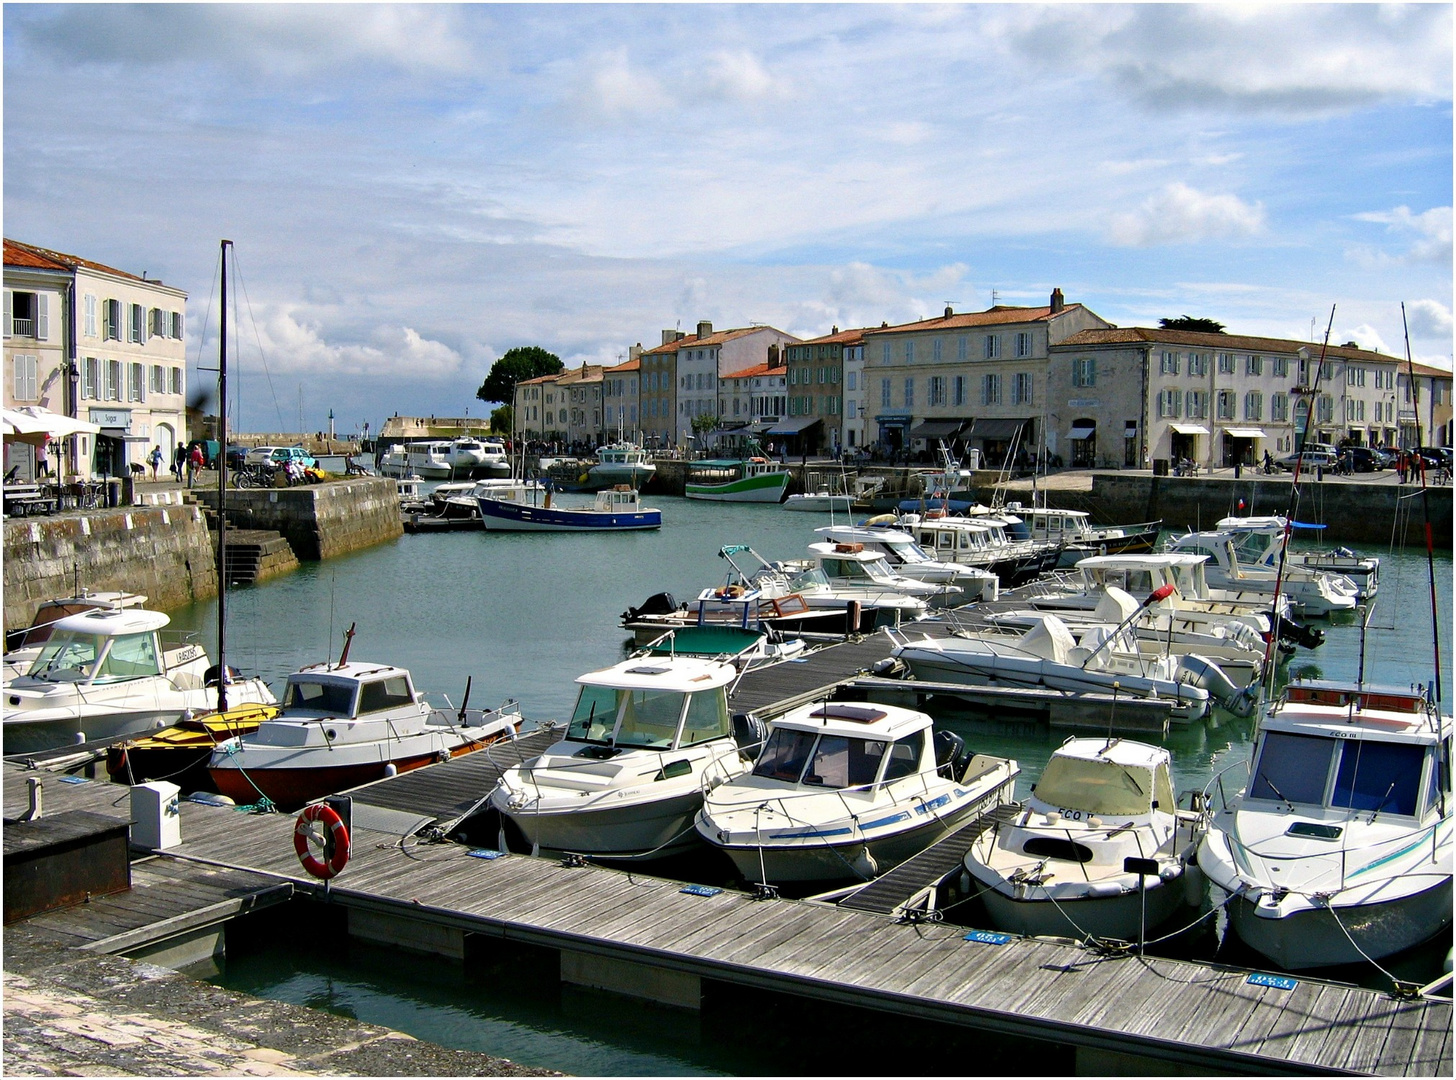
x=179 y=461
x=155 y=458
x=194 y=465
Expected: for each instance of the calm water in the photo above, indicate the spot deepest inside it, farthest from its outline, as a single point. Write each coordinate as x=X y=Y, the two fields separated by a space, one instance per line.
x=522 y=616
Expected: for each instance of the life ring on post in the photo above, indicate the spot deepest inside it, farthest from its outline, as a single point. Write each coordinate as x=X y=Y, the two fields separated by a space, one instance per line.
x=321 y=820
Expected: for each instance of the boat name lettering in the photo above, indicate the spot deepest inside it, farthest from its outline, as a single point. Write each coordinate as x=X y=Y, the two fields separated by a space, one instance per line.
x=1071 y=815
x=188 y=653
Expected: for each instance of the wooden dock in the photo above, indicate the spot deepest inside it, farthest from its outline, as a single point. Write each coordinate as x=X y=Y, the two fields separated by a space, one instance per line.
x=650 y=937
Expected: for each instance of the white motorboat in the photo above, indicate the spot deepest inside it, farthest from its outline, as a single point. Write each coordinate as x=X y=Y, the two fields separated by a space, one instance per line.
x=106 y=673
x=819 y=502
x=1047 y=654
x=1079 y=537
x=852 y=565
x=620 y=463
x=979 y=543
x=343 y=725
x=908 y=559
x=647 y=737
x=1312 y=592
x=22 y=647
x=845 y=791
x=432 y=460
x=411 y=493
x=1338 y=848
x=1058 y=867
x=1261 y=539
x=474 y=456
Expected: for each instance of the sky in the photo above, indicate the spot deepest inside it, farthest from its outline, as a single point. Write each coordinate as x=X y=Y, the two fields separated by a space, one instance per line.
x=414 y=190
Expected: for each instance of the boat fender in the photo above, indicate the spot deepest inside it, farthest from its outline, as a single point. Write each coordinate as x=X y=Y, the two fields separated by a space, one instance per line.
x=1104 y=888
x=864 y=864
x=391 y=769
x=207 y=798
x=1168 y=871
x=320 y=825
x=1193 y=885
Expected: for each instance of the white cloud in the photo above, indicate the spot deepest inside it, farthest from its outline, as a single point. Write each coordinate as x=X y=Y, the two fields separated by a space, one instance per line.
x=741 y=76
x=292 y=345
x=616 y=88
x=1429 y=319
x=1180 y=214
x=1367 y=337
x=1429 y=235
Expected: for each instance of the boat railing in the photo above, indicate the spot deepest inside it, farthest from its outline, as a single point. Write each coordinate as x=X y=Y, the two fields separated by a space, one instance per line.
x=1085 y=833
x=1372 y=857
x=852 y=811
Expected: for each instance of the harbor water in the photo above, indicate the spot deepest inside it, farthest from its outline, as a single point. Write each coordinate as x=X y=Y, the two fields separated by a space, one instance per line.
x=521 y=616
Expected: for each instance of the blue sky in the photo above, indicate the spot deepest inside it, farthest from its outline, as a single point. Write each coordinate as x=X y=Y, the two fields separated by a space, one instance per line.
x=415 y=190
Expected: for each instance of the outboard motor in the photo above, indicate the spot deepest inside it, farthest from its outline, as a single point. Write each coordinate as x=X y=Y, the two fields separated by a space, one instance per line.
x=750 y=733
x=950 y=748
x=1200 y=671
x=209 y=677
x=1311 y=637
x=657 y=604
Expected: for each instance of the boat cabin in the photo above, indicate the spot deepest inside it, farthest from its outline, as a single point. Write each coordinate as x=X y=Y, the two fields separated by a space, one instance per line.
x=104 y=646
x=846 y=746
x=1059 y=526
x=51 y=612
x=356 y=699
x=653 y=703
x=851 y=563
x=950 y=539
x=1140 y=575
x=1105 y=778
x=621 y=499
x=1370 y=752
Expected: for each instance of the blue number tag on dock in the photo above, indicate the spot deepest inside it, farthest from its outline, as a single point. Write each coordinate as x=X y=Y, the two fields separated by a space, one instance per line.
x=1278 y=982
x=986 y=937
x=485 y=853
x=700 y=890
x=74 y=780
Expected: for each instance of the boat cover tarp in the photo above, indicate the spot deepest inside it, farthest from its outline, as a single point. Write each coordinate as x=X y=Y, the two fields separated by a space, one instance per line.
x=1049 y=639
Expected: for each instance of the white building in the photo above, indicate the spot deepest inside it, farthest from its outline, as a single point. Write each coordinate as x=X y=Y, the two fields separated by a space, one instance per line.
x=99 y=344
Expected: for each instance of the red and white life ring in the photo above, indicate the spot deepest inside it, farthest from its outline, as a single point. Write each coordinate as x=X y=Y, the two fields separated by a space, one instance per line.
x=335 y=840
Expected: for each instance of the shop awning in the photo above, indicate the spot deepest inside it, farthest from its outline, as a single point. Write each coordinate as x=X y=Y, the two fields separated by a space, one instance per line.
x=797 y=426
x=995 y=428
x=1246 y=432
x=1083 y=431
x=1189 y=429
x=936 y=429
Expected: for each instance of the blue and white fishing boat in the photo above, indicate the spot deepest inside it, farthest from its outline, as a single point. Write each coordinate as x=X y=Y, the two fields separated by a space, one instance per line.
x=617 y=509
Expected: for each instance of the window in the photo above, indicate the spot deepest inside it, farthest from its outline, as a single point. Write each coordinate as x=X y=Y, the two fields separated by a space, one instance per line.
x=111 y=320
x=1225 y=363
x=88 y=315
x=177 y=325
x=113 y=380
x=886 y=354
x=1168 y=403
x=1197 y=365
x=1293 y=768
x=157 y=383
x=1281 y=367
x=1023 y=344
x=1168 y=363
x=991 y=349
x=1021 y=388
x=1379 y=777
x=1355 y=376
x=909 y=393
x=1360 y=411
x=1255 y=365
x=1253 y=405
x=137 y=327
x=158 y=323
x=1226 y=404
x=25 y=315
x=385 y=694
x=1195 y=404
x=90 y=372
x=990 y=389
x=26 y=388
x=1325 y=409
x=963 y=348
x=958 y=390
x=850 y=380
x=1279 y=408
x=885 y=393
x=937 y=390
x=1084 y=371
x=909 y=352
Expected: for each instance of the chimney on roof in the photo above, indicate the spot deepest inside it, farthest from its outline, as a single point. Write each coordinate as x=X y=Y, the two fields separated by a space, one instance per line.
x=1350 y=345
x=1058 y=302
x=669 y=336
x=704 y=328
x=949 y=311
x=833 y=330
x=773 y=356
x=884 y=325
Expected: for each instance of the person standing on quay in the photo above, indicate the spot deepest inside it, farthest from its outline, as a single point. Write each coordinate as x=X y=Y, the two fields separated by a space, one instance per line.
x=194 y=465
x=155 y=458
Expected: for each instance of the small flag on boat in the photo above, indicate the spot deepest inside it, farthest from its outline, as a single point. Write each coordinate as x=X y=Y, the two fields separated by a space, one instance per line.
x=1241 y=504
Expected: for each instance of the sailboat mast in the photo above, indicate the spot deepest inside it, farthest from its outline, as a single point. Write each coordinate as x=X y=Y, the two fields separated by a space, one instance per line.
x=222 y=679
x=1426 y=503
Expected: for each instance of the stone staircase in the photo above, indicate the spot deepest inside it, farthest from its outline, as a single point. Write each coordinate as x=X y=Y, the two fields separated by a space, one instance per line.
x=253 y=555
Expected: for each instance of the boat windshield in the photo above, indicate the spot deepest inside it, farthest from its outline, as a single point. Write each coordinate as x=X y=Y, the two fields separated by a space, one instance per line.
x=314 y=695
x=1379 y=776
x=1293 y=768
x=907 y=551
x=648 y=718
x=814 y=580
x=67 y=655
x=835 y=761
x=855 y=569
x=1098 y=787
x=383 y=694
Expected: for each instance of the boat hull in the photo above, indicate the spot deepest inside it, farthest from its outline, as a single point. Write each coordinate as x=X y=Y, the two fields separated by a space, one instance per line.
x=1313 y=938
x=499 y=516
x=293 y=788
x=1100 y=916
x=660 y=827
x=765 y=488
x=818 y=504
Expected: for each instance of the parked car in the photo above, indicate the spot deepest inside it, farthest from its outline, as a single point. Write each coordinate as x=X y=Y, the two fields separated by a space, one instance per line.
x=236 y=455
x=1435 y=457
x=1316 y=455
x=1386 y=456
x=1359 y=459
x=280 y=455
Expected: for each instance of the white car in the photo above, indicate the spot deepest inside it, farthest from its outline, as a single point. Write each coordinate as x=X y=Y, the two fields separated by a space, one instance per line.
x=280 y=455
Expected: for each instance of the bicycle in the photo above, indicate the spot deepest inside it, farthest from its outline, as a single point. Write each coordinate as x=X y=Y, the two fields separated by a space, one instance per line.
x=254 y=476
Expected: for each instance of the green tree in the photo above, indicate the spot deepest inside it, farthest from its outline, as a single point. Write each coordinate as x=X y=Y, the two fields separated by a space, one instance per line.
x=502 y=420
x=704 y=423
x=517 y=365
x=1188 y=322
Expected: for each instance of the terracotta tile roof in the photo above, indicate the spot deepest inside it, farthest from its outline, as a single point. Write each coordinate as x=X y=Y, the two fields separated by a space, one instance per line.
x=717 y=337
x=842 y=337
x=1001 y=315
x=1125 y=335
x=627 y=365
x=754 y=372
x=19 y=254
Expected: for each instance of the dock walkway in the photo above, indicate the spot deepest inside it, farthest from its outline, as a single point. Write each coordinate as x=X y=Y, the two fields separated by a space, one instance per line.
x=1176 y=1013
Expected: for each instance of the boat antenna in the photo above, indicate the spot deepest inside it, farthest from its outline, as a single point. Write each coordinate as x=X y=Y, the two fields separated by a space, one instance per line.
x=222 y=670
x=348 y=640
x=1364 y=626
x=1426 y=504
x=1300 y=436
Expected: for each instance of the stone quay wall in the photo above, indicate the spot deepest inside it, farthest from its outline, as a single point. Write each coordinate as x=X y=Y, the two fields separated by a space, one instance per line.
x=1354 y=513
x=164 y=552
x=319 y=521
